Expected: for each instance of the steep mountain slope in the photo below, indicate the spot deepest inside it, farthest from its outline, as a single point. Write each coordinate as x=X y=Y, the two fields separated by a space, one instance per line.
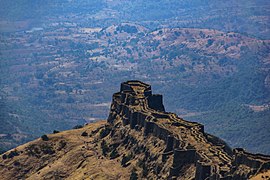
x=139 y=141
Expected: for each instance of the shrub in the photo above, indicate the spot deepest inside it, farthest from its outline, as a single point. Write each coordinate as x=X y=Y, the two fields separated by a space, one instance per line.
x=140 y=163
x=104 y=132
x=145 y=171
x=4 y=156
x=62 y=144
x=125 y=160
x=12 y=154
x=55 y=131
x=33 y=150
x=84 y=134
x=104 y=148
x=209 y=42
x=114 y=154
x=45 y=137
x=133 y=175
x=47 y=149
x=17 y=163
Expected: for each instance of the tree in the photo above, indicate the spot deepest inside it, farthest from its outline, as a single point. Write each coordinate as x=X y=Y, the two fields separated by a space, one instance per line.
x=133 y=175
x=45 y=137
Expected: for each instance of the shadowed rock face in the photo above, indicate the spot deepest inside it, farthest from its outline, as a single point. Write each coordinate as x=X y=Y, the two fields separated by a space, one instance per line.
x=186 y=142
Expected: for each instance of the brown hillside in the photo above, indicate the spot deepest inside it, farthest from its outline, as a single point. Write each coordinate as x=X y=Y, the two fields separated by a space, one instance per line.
x=65 y=155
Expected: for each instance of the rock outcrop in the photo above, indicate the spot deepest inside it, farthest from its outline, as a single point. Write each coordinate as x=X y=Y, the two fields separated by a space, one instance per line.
x=186 y=142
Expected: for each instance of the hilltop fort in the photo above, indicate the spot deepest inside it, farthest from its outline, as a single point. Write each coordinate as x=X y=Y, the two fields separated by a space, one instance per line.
x=140 y=140
x=186 y=142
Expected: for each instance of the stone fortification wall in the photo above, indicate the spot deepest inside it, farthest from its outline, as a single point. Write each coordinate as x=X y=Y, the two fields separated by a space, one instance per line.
x=185 y=141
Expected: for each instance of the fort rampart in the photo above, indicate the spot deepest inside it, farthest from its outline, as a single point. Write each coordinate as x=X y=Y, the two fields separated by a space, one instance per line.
x=186 y=141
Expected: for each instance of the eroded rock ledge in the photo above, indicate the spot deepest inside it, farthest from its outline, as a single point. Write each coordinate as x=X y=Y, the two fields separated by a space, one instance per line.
x=186 y=142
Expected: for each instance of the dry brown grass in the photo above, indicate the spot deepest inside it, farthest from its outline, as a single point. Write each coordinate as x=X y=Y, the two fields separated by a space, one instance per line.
x=79 y=159
x=263 y=175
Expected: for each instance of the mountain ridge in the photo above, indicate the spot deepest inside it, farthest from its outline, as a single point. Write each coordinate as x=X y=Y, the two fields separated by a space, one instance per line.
x=141 y=140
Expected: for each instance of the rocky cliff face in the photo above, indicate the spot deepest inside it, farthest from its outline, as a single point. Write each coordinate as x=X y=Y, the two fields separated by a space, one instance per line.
x=139 y=141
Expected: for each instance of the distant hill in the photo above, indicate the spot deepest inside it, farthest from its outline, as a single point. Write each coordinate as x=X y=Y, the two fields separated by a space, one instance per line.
x=244 y=16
